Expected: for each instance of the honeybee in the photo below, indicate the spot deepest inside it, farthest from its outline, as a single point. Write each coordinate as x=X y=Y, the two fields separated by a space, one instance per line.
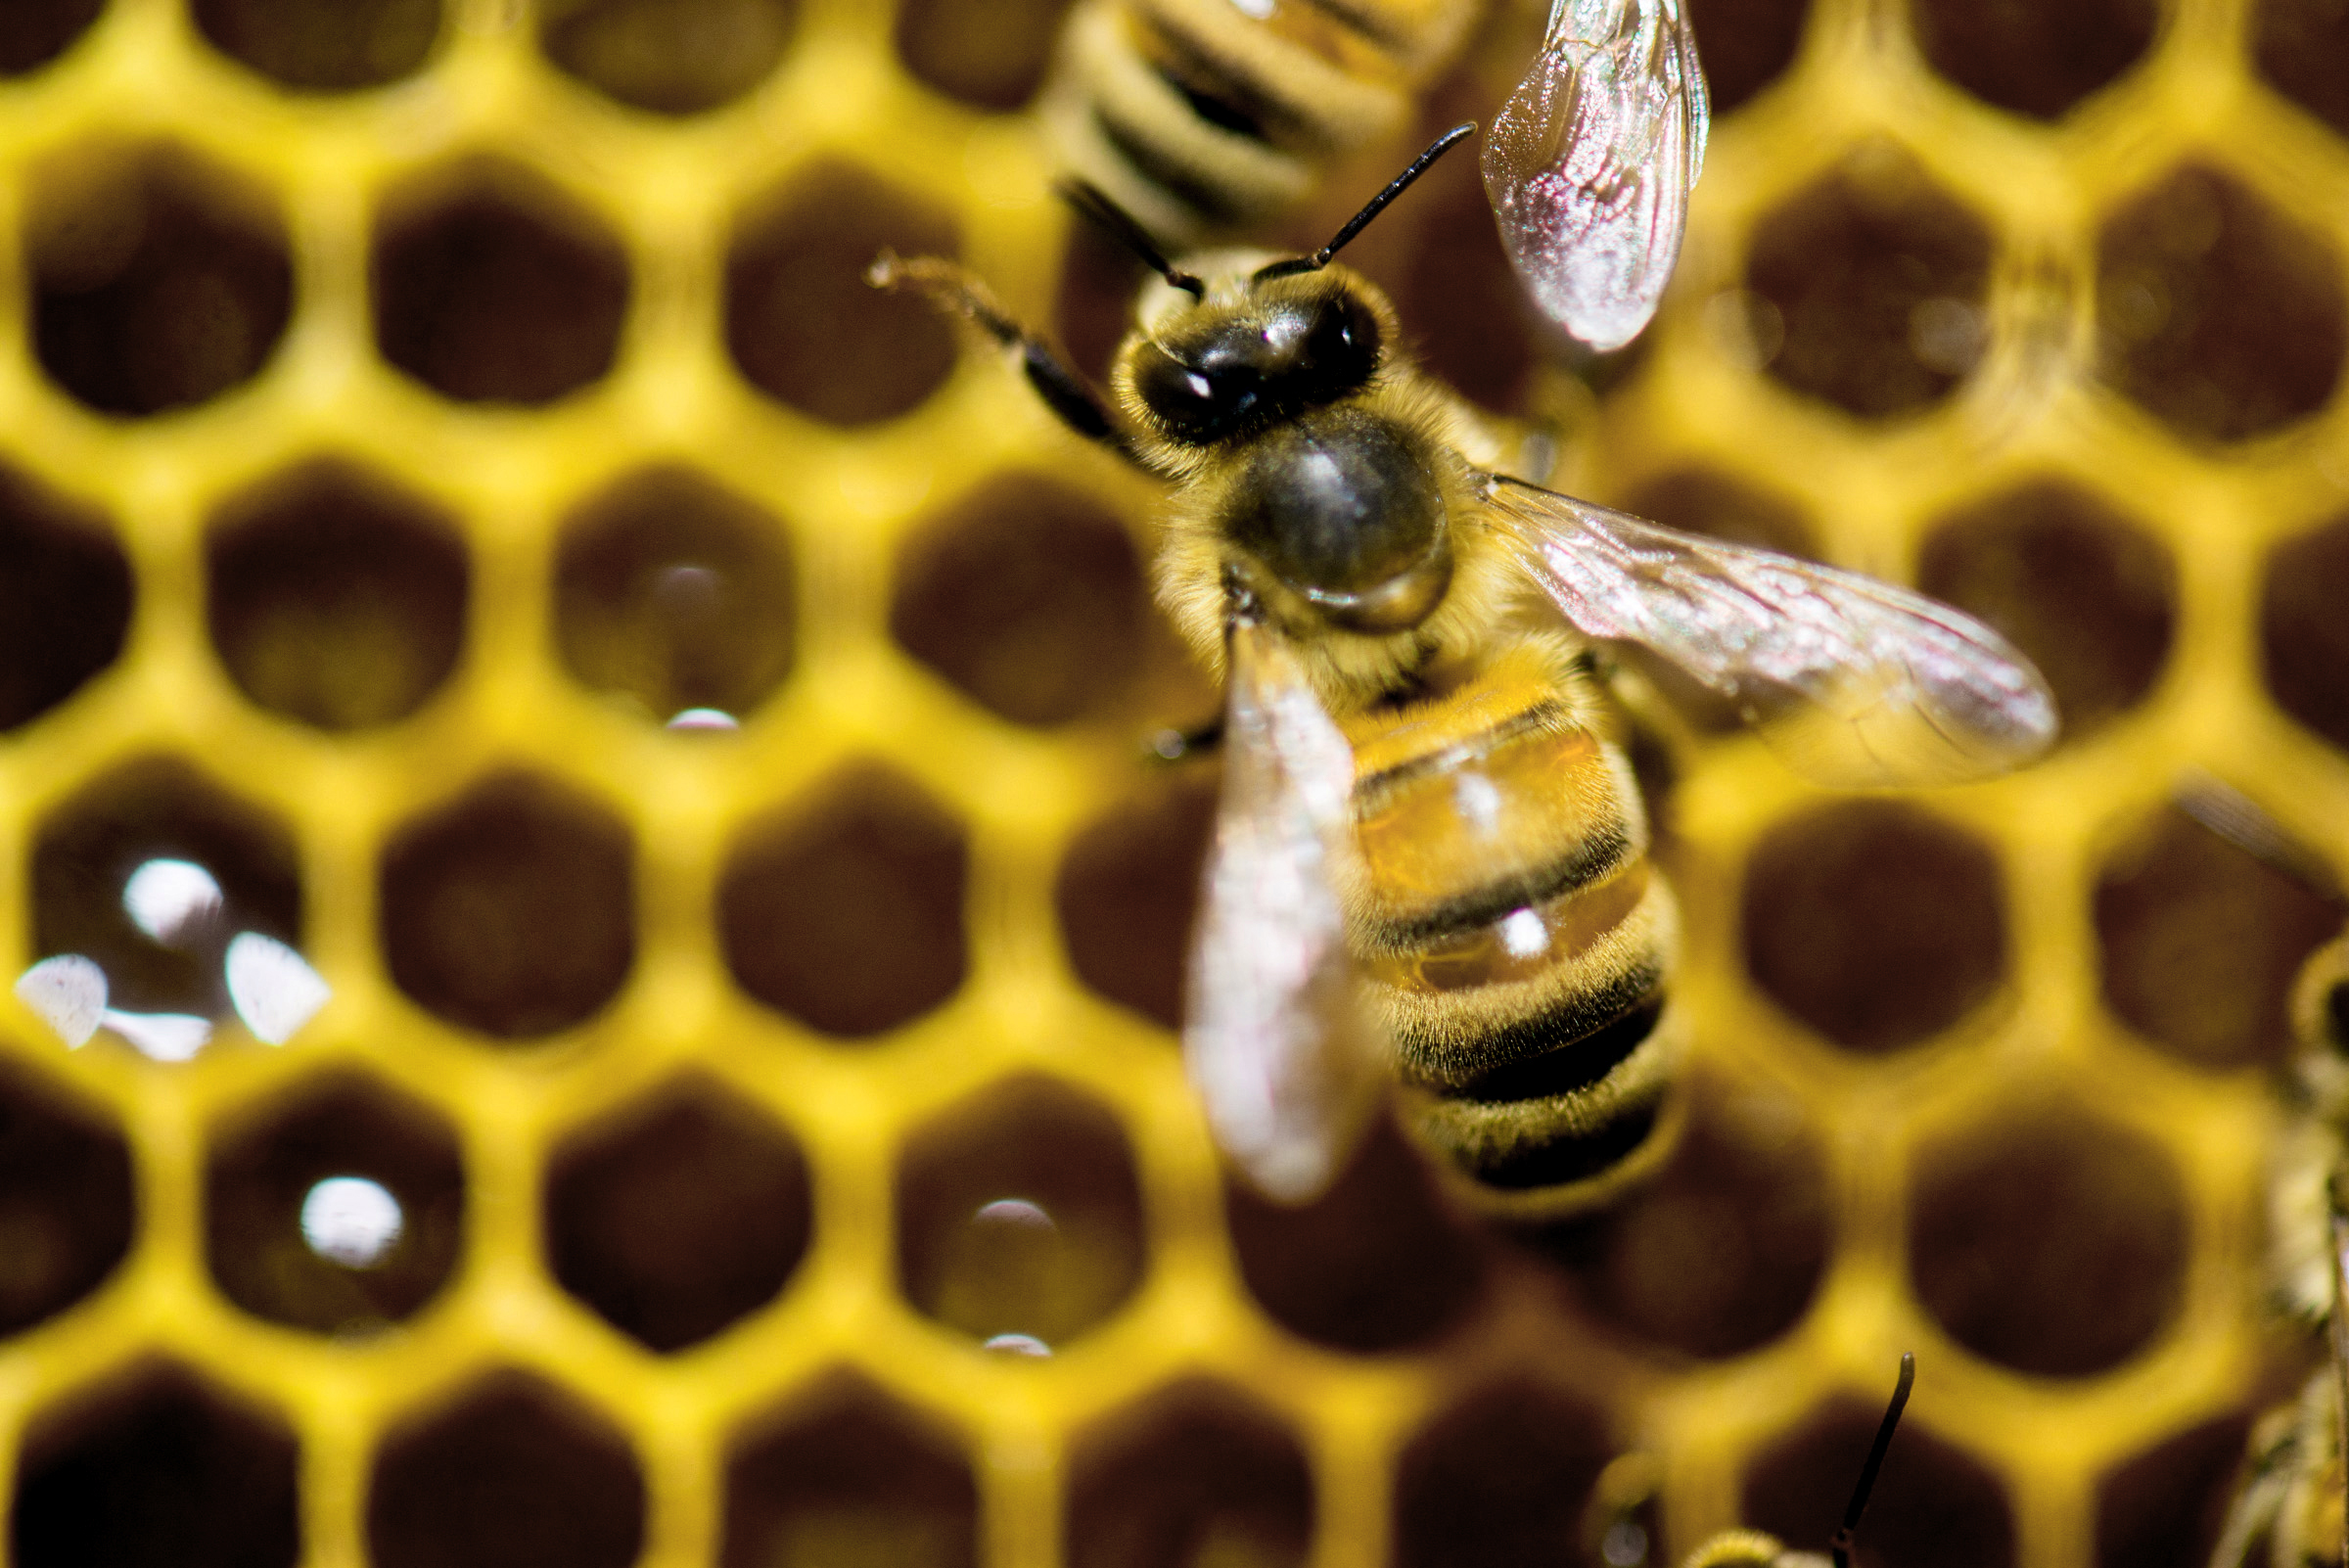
x=2292 y=1494
x=1430 y=858
x=1203 y=118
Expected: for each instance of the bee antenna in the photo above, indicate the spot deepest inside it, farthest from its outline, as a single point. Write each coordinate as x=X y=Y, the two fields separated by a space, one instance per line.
x=1841 y=1547
x=1372 y=209
x=1122 y=227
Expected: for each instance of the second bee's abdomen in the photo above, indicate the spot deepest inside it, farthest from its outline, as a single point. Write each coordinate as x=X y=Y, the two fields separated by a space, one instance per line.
x=1515 y=937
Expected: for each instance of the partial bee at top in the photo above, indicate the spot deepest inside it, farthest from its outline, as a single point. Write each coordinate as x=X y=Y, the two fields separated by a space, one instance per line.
x=1207 y=117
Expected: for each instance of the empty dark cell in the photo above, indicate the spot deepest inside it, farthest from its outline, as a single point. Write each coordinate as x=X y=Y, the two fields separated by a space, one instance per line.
x=66 y=1202
x=2053 y=1244
x=517 y=1474
x=156 y=1471
x=677 y=595
x=157 y=282
x=1874 y=923
x=511 y=910
x=2201 y=941
x=2300 y=45
x=677 y=1217
x=278 y=1256
x=2164 y=1508
x=2089 y=596
x=1128 y=890
x=1025 y=596
x=334 y=598
x=1094 y=307
x=846 y=913
x=497 y=289
x=849 y=1476
x=1746 y=44
x=1018 y=1213
x=1934 y=1505
x=2216 y=312
x=159 y=809
x=2036 y=60
x=1699 y=501
x=33 y=33
x=1878 y=278
x=1196 y=1475
x=987 y=52
x=801 y=323
x=2304 y=638
x=1724 y=1250
x=64 y=598
x=323 y=45
x=672 y=56
x=1502 y=1478
x=1378 y=1263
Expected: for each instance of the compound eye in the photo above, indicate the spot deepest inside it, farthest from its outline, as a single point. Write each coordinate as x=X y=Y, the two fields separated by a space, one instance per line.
x=1342 y=349
x=1193 y=403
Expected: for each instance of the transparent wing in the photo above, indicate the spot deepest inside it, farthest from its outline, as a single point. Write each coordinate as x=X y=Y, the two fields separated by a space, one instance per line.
x=1273 y=1038
x=1855 y=682
x=1590 y=163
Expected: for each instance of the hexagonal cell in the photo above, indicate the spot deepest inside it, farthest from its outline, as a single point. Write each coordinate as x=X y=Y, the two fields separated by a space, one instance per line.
x=151 y=874
x=2296 y=43
x=845 y=1474
x=156 y=1468
x=336 y=597
x=677 y=1215
x=492 y=285
x=1746 y=44
x=1025 y=597
x=2165 y=1507
x=32 y=34
x=844 y=911
x=1195 y=1474
x=1020 y=1217
x=1874 y=923
x=1129 y=891
x=1878 y=280
x=1701 y=500
x=512 y=1473
x=338 y=1207
x=1501 y=1477
x=2200 y=942
x=159 y=280
x=801 y=323
x=327 y=46
x=677 y=595
x=64 y=597
x=66 y=1205
x=2089 y=595
x=1934 y=1505
x=510 y=910
x=2032 y=58
x=2048 y=1239
x=1378 y=1263
x=1723 y=1252
x=670 y=57
x=2216 y=312
x=989 y=55
x=2304 y=642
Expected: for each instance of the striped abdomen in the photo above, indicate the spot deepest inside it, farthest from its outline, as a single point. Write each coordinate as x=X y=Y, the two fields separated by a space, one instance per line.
x=1513 y=932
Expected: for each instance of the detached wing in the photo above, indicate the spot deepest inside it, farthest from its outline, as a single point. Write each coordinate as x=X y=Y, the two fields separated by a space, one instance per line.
x=1590 y=163
x=1274 y=1041
x=1856 y=682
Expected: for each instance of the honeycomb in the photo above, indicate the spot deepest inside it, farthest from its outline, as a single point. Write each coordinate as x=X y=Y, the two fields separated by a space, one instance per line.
x=457 y=491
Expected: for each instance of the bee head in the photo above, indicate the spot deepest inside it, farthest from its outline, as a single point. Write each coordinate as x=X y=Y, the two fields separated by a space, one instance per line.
x=1238 y=360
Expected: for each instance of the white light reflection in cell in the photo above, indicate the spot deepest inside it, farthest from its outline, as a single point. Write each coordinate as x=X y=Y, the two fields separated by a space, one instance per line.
x=69 y=994
x=351 y=1221
x=273 y=988
x=1625 y=1546
x=1019 y=1345
x=704 y=719
x=165 y=897
x=162 y=1037
x=1015 y=1213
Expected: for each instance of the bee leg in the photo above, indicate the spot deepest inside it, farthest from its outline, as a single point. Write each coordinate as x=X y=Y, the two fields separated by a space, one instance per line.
x=953 y=290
